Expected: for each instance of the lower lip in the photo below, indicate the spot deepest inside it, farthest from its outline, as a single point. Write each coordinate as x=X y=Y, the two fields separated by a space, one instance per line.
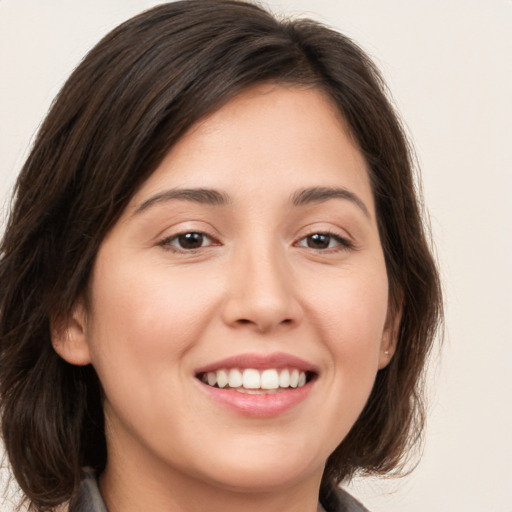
x=261 y=405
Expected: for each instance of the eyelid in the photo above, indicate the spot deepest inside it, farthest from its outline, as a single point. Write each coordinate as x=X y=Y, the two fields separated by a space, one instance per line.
x=166 y=244
x=344 y=242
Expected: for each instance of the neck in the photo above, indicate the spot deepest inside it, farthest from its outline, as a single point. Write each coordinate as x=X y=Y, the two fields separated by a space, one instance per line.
x=132 y=490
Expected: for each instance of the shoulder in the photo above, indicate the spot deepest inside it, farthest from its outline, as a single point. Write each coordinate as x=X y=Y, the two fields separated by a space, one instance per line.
x=339 y=500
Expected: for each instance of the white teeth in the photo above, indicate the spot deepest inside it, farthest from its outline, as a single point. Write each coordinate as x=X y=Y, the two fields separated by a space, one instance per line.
x=251 y=379
x=294 y=378
x=284 y=379
x=212 y=378
x=235 y=378
x=222 y=378
x=270 y=379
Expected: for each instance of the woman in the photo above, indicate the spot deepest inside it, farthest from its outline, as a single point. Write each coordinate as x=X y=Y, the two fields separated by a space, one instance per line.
x=216 y=286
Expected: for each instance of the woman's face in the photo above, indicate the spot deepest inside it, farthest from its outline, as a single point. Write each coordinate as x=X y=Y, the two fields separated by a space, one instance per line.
x=250 y=259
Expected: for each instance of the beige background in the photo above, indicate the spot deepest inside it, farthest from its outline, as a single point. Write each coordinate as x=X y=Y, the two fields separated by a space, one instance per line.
x=449 y=65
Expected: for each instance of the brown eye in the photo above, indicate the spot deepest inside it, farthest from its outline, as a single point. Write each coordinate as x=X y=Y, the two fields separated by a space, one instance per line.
x=323 y=241
x=190 y=240
x=187 y=241
x=318 y=241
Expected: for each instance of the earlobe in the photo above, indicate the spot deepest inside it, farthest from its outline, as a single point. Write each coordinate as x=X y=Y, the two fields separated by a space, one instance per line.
x=69 y=337
x=385 y=358
x=390 y=336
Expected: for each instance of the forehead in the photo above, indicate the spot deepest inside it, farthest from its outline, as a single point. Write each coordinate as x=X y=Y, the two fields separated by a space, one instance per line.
x=269 y=138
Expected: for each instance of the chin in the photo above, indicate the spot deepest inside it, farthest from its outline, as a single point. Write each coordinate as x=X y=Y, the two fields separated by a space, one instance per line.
x=265 y=470
x=266 y=479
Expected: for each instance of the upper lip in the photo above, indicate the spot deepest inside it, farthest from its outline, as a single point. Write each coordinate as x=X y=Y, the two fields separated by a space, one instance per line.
x=259 y=362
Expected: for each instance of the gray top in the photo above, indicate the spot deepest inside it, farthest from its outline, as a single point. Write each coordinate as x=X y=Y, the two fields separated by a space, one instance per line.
x=89 y=498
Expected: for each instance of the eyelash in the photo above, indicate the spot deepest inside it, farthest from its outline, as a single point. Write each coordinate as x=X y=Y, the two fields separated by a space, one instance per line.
x=170 y=243
x=343 y=244
x=167 y=243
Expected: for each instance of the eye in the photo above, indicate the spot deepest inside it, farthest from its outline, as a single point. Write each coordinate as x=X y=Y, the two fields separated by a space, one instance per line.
x=323 y=241
x=187 y=241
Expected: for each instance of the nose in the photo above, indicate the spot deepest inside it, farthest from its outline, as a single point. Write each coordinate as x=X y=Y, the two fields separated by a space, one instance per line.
x=261 y=294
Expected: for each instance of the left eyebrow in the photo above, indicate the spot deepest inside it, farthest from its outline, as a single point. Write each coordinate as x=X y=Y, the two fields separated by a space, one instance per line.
x=322 y=194
x=195 y=195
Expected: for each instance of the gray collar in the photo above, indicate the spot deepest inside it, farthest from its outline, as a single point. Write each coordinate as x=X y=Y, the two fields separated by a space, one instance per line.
x=89 y=498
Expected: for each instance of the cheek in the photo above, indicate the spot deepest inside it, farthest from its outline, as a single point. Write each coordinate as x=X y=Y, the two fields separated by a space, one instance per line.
x=146 y=320
x=348 y=309
x=352 y=306
x=351 y=310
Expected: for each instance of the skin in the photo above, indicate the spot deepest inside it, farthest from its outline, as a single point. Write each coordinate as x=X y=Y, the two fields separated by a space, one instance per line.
x=256 y=284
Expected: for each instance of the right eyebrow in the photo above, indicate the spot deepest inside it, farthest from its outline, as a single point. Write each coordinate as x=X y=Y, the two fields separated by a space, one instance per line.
x=196 y=195
x=322 y=194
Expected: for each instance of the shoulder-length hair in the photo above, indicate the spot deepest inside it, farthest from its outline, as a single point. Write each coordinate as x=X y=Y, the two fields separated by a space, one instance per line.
x=132 y=97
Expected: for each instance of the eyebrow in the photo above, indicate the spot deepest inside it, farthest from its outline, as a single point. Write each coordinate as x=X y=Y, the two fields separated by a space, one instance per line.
x=196 y=195
x=322 y=194
x=216 y=198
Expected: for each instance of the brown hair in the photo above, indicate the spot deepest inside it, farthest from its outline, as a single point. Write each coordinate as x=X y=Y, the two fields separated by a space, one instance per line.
x=133 y=96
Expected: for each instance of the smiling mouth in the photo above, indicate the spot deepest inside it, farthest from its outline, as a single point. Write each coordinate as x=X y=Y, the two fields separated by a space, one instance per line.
x=253 y=381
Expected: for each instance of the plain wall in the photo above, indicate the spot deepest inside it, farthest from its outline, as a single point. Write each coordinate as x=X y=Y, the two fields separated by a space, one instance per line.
x=449 y=66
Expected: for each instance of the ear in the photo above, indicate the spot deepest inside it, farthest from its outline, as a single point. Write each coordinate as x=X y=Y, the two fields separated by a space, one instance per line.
x=390 y=334
x=69 y=336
